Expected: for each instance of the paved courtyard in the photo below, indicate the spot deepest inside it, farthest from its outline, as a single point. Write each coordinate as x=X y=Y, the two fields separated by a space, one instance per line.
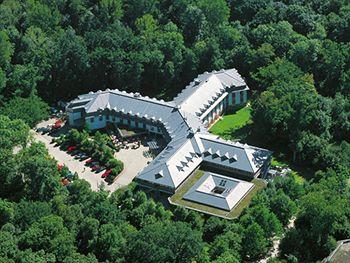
x=134 y=161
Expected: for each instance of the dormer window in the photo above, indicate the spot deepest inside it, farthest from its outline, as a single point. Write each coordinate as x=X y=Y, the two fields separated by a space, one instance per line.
x=159 y=175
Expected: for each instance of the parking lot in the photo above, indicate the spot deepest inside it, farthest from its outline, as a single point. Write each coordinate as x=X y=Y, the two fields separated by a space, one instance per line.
x=134 y=161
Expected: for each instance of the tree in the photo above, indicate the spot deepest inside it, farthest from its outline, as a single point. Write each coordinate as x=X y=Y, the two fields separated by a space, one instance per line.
x=228 y=243
x=245 y=10
x=110 y=244
x=80 y=258
x=109 y=11
x=216 y=11
x=254 y=244
x=41 y=179
x=10 y=13
x=213 y=227
x=6 y=212
x=37 y=51
x=264 y=217
x=194 y=24
x=280 y=35
x=340 y=117
x=31 y=110
x=165 y=242
x=70 y=64
x=8 y=245
x=87 y=235
x=23 y=81
x=323 y=218
x=28 y=212
x=137 y=8
x=283 y=207
x=6 y=49
x=49 y=234
x=41 y=15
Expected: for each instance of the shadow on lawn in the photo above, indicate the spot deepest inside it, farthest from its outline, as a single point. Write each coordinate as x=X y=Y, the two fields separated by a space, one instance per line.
x=243 y=134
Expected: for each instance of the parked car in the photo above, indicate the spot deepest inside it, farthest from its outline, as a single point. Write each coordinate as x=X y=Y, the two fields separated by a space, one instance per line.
x=71 y=148
x=59 y=167
x=74 y=152
x=80 y=155
x=44 y=130
x=57 y=125
x=106 y=173
x=95 y=167
x=92 y=164
x=70 y=175
x=84 y=157
x=100 y=169
x=88 y=161
x=65 y=182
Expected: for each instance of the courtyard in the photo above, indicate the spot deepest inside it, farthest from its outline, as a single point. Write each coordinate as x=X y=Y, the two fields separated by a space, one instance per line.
x=233 y=126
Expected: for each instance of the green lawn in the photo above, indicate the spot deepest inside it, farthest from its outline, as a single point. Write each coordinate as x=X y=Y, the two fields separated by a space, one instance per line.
x=234 y=126
x=234 y=213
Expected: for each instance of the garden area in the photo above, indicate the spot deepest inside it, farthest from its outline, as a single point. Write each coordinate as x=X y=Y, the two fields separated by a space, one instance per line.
x=95 y=149
x=234 y=126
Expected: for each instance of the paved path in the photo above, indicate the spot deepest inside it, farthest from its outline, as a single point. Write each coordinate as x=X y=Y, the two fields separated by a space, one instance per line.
x=134 y=161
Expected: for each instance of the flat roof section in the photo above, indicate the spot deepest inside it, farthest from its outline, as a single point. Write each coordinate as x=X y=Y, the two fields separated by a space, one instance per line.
x=218 y=191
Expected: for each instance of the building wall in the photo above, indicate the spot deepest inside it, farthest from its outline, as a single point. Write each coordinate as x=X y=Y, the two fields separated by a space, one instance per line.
x=96 y=122
x=100 y=121
x=159 y=187
x=74 y=116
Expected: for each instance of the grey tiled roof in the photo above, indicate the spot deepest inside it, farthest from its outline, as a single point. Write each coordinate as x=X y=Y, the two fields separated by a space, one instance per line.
x=232 y=191
x=190 y=143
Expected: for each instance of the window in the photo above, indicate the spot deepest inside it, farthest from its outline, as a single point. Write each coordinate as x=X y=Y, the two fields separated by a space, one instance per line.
x=92 y=119
x=157 y=176
x=218 y=190
x=242 y=96
x=100 y=118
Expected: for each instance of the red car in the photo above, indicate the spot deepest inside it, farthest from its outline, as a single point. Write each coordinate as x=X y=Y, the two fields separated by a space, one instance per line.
x=57 y=125
x=71 y=148
x=59 y=167
x=89 y=161
x=95 y=167
x=106 y=173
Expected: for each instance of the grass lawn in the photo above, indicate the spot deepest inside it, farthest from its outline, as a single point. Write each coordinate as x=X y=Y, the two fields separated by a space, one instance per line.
x=178 y=200
x=232 y=126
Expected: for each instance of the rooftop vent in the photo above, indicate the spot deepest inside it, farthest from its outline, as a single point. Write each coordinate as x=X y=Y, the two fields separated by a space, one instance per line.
x=197 y=81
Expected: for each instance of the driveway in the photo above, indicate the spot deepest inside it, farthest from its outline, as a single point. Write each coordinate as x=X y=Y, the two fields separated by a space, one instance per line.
x=134 y=161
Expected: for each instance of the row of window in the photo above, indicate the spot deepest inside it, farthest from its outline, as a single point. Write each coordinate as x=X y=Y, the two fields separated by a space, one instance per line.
x=132 y=123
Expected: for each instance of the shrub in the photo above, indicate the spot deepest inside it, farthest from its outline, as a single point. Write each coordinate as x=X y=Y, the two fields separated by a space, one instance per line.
x=112 y=163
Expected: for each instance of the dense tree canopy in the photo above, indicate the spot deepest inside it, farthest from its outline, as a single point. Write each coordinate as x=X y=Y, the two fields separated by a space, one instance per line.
x=295 y=57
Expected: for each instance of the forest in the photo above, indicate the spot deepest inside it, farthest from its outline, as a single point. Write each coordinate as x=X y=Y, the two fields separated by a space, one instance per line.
x=294 y=56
